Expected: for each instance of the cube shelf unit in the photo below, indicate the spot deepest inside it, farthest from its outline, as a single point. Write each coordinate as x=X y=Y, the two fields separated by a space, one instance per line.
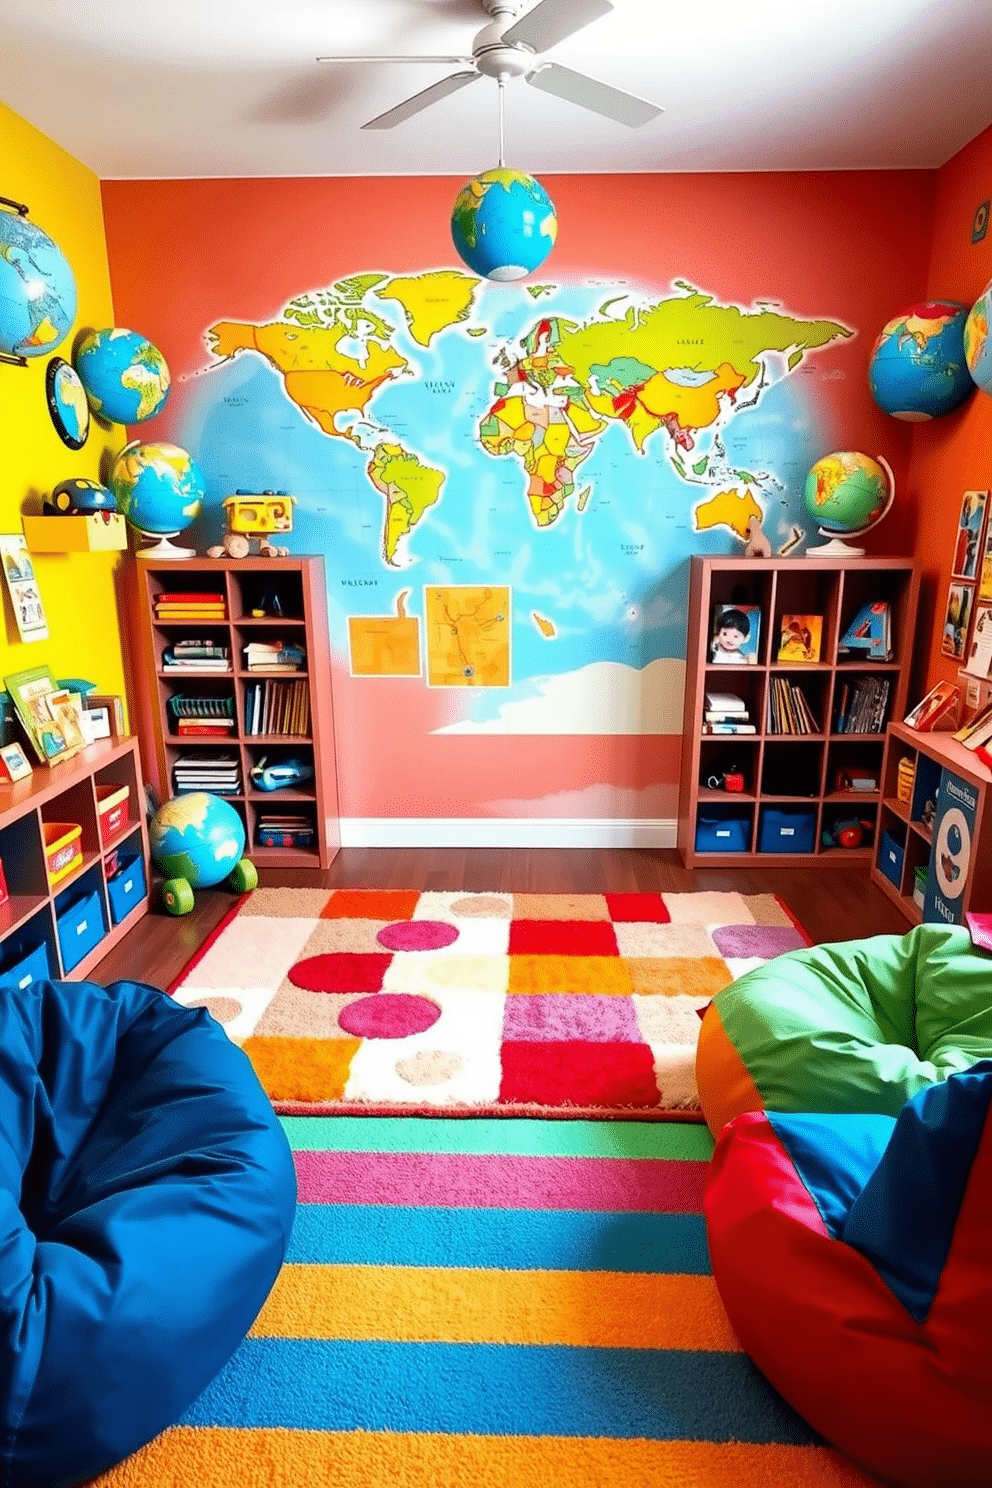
x=299 y=582
x=788 y=772
x=907 y=829
x=35 y=921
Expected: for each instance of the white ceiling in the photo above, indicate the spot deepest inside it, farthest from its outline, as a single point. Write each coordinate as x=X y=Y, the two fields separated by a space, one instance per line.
x=185 y=88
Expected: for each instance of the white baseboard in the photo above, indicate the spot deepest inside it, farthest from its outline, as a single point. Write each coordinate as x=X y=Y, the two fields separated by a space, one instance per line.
x=484 y=831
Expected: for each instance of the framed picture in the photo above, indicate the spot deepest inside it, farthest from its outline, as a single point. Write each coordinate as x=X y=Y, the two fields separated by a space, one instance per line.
x=735 y=635
x=14 y=764
x=957 y=619
x=979 y=660
x=18 y=570
x=968 y=552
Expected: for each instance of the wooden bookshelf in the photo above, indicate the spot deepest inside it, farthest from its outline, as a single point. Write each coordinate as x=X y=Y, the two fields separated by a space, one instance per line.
x=300 y=584
x=788 y=772
x=34 y=922
x=907 y=827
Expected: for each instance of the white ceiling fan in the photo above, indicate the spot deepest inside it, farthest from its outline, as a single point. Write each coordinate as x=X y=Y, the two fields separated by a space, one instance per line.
x=509 y=47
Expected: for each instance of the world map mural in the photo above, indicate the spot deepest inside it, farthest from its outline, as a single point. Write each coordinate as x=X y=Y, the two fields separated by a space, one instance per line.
x=506 y=481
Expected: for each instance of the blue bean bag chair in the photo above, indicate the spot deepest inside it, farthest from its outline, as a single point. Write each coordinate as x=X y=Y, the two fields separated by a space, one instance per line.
x=146 y=1197
x=853 y=1254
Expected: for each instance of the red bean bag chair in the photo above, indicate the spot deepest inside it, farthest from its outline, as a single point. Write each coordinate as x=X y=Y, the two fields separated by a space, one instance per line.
x=853 y=1255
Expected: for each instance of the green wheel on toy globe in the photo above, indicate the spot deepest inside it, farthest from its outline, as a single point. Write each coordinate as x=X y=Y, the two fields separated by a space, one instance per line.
x=177 y=895
x=243 y=876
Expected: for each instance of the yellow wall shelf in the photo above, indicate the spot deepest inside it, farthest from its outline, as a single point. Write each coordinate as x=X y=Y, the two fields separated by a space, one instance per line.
x=97 y=532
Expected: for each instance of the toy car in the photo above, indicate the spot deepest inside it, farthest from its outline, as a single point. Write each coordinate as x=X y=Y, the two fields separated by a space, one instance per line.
x=78 y=497
x=280 y=775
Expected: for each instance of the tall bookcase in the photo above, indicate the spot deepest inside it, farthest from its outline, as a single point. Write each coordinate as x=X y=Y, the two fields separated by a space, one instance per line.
x=246 y=585
x=791 y=775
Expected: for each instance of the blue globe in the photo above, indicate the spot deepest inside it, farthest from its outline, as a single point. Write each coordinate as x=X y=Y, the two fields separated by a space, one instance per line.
x=978 y=342
x=125 y=376
x=198 y=837
x=503 y=224
x=159 y=487
x=37 y=289
x=917 y=369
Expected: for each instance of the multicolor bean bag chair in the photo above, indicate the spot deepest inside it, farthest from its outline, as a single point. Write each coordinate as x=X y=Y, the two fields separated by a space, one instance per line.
x=146 y=1197
x=860 y=1026
x=852 y=1254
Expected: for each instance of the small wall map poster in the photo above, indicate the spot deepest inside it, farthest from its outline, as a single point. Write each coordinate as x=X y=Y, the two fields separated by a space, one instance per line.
x=953 y=831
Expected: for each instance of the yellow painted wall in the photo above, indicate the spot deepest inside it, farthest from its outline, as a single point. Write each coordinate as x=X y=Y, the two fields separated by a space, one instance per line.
x=80 y=592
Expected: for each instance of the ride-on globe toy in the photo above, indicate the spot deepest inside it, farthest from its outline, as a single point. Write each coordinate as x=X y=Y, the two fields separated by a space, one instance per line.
x=197 y=841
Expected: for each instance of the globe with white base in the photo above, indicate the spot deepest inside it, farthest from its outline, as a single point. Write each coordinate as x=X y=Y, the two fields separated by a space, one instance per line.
x=160 y=489
x=847 y=494
x=503 y=224
x=197 y=841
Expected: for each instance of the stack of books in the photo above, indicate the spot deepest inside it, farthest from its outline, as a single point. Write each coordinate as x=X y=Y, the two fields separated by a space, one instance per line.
x=869 y=635
x=862 y=706
x=285 y=831
x=187 y=604
x=277 y=708
x=203 y=655
x=218 y=773
x=726 y=713
x=788 y=710
x=202 y=717
x=274 y=656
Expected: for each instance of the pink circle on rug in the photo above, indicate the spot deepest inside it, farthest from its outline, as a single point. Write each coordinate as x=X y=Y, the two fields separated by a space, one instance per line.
x=417 y=935
x=388 y=1015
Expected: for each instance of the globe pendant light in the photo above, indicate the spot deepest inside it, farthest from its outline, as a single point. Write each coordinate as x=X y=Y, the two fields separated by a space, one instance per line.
x=503 y=223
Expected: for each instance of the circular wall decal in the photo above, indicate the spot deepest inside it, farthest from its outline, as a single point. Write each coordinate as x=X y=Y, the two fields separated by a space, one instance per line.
x=67 y=403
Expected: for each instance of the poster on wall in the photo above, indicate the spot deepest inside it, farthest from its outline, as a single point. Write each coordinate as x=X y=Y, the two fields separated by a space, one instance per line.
x=971 y=527
x=953 y=832
x=25 y=596
x=957 y=618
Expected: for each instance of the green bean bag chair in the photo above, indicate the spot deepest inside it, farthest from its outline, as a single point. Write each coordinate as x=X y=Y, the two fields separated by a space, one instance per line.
x=859 y=1026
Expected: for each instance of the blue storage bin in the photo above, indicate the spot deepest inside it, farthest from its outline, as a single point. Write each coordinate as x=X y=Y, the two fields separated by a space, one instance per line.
x=80 y=925
x=127 y=887
x=716 y=832
x=24 y=962
x=786 y=830
x=890 y=857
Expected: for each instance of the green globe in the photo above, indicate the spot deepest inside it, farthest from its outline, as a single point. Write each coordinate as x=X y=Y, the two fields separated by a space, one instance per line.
x=198 y=837
x=125 y=376
x=847 y=494
x=503 y=224
x=160 y=490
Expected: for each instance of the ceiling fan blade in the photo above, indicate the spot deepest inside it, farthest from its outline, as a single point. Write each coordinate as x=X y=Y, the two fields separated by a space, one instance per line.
x=589 y=93
x=552 y=20
x=422 y=100
x=395 y=59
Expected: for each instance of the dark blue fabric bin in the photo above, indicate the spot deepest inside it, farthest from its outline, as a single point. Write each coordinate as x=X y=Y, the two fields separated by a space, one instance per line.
x=716 y=832
x=786 y=830
x=890 y=857
x=80 y=925
x=127 y=887
x=24 y=962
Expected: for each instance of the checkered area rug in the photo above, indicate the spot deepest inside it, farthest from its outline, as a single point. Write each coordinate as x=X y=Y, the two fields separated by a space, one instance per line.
x=579 y=1005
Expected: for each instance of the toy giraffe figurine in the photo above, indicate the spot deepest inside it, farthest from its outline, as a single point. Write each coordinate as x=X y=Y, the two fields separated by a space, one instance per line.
x=255 y=515
x=757 y=545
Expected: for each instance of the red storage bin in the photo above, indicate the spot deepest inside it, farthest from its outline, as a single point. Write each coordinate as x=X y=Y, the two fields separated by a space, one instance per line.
x=112 y=805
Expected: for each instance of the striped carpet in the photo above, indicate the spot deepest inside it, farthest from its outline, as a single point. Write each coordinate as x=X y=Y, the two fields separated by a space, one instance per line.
x=510 y=1303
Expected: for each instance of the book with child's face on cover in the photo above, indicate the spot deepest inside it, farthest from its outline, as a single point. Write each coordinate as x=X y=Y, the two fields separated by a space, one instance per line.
x=735 y=635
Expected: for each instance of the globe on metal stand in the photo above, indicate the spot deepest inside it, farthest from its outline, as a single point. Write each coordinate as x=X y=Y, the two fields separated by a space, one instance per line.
x=847 y=494
x=160 y=490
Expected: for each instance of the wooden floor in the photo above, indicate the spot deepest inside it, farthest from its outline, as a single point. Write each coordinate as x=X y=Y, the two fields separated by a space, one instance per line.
x=832 y=903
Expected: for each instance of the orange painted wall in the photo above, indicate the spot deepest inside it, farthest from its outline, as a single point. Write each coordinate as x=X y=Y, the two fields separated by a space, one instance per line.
x=852 y=246
x=953 y=454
